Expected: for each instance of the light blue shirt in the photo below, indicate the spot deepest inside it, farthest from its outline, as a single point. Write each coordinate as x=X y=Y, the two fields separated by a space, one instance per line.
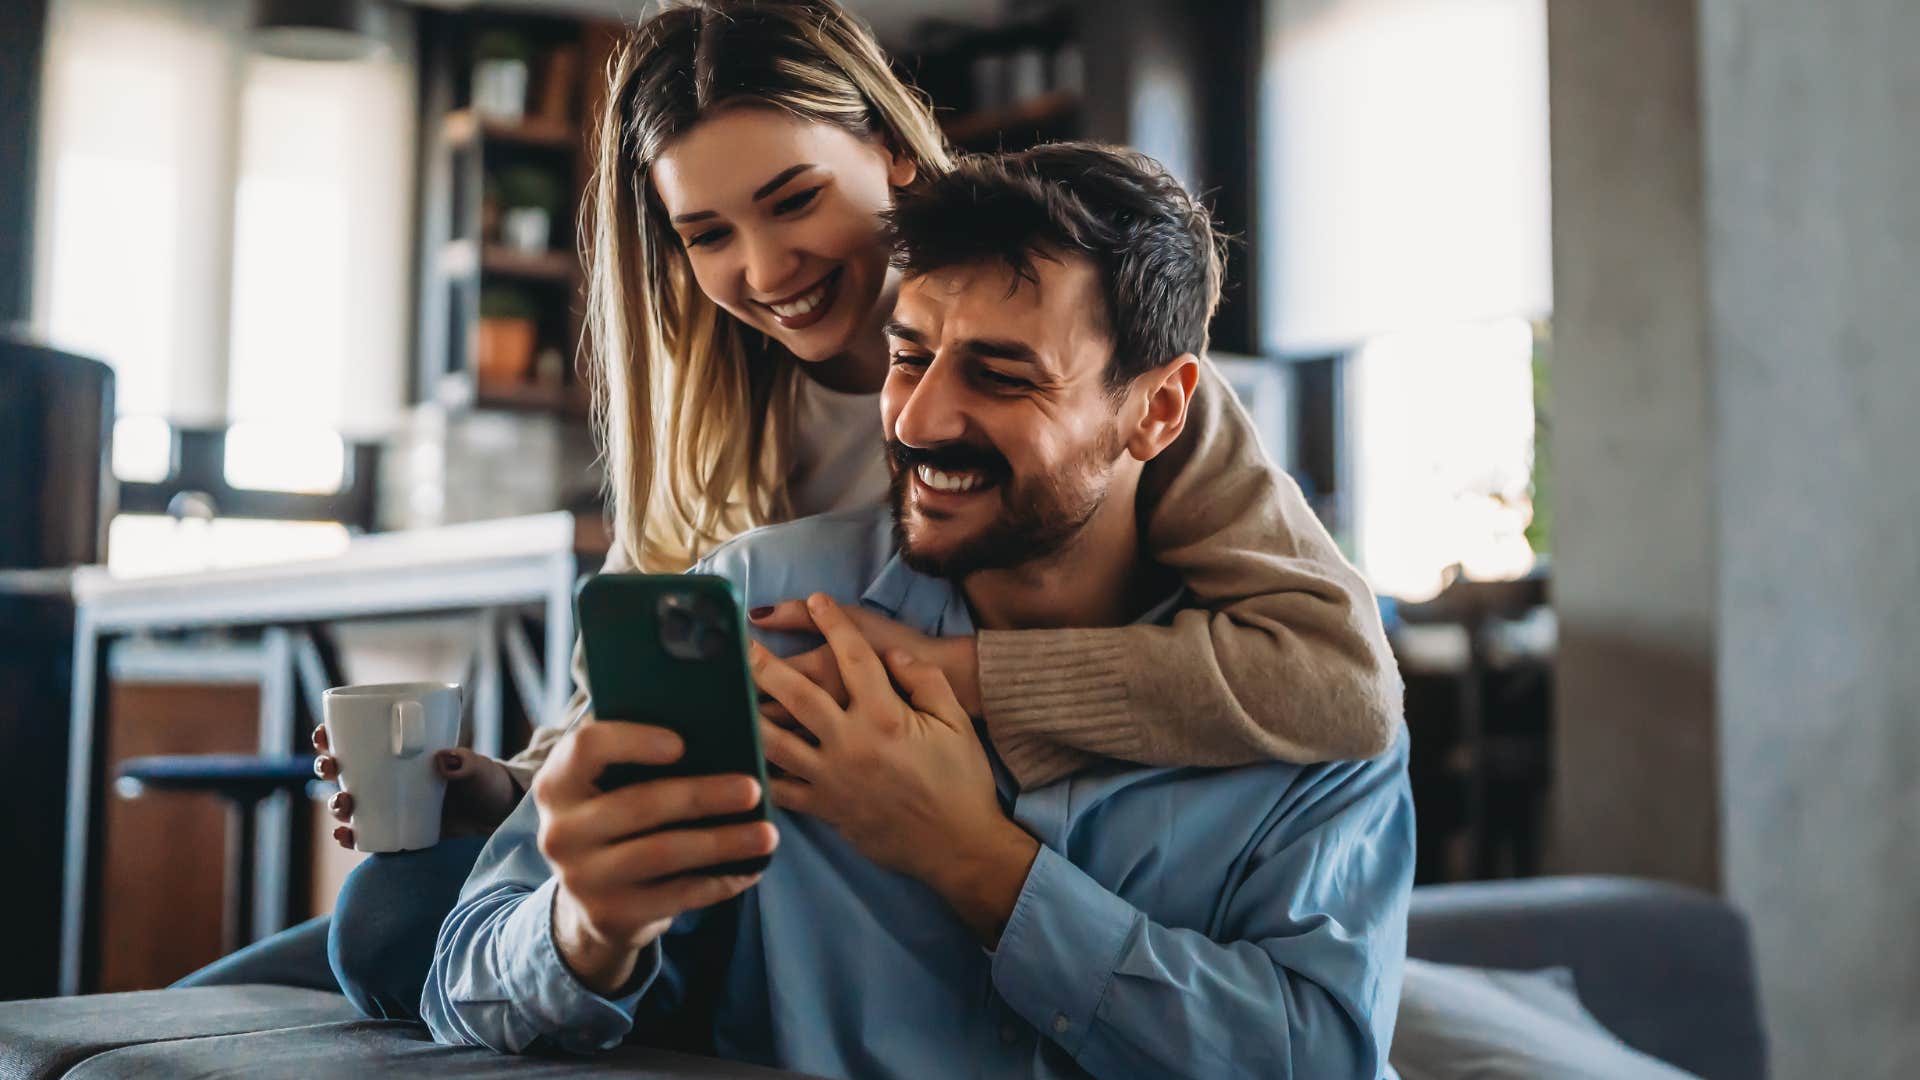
x=1177 y=922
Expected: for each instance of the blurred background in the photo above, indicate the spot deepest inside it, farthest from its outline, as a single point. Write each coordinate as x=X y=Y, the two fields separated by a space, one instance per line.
x=1586 y=327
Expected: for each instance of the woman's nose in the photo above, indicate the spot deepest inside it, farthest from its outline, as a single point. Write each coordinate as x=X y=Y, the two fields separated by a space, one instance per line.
x=769 y=268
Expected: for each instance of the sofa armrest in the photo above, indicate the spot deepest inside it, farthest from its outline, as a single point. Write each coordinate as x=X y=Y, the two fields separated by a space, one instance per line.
x=1668 y=969
x=43 y=1038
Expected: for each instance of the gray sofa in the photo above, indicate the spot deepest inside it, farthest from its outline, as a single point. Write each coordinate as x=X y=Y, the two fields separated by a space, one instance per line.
x=1667 y=969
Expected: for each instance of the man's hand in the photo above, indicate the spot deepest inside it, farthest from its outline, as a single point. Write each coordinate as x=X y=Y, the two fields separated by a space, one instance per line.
x=480 y=791
x=956 y=657
x=622 y=865
x=906 y=781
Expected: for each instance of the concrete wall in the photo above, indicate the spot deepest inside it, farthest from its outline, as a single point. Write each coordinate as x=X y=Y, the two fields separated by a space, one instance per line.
x=1737 y=324
x=1634 y=558
x=1813 y=213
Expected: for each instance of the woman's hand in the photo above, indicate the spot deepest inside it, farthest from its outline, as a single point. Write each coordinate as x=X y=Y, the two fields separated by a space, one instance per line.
x=956 y=657
x=480 y=791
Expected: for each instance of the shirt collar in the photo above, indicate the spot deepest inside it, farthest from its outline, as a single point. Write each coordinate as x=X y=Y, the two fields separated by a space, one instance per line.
x=930 y=604
x=937 y=607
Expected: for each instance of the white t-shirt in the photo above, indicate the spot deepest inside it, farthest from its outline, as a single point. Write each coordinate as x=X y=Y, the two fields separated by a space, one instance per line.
x=841 y=454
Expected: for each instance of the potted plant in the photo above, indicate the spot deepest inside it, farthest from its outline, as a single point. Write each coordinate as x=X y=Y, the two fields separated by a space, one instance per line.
x=504 y=339
x=500 y=59
x=531 y=197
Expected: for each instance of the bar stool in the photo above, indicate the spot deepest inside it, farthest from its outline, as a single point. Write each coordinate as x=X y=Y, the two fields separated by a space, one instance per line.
x=242 y=780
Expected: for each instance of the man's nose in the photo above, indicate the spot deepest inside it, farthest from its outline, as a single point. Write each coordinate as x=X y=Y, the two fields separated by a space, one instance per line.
x=769 y=266
x=932 y=414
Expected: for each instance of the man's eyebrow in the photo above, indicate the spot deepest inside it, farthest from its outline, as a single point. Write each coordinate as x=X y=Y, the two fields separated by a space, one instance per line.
x=1017 y=351
x=904 y=332
x=762 y=192
x=773 y=185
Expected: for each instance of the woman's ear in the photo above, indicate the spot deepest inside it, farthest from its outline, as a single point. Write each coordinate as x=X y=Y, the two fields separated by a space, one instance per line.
x=902 y=170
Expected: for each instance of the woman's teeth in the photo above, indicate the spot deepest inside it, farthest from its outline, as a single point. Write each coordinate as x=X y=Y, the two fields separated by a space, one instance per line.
x=803 y=305
x=946 y=481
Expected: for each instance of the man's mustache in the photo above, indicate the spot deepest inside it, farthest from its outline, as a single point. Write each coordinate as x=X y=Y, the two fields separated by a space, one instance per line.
x=949 y=457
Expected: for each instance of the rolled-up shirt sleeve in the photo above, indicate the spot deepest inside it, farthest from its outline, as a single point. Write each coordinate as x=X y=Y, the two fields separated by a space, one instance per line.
x=497 y=979
x=1298 y=977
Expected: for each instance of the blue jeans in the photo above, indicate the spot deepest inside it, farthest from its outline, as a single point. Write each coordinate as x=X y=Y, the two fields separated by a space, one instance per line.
x=379 y=940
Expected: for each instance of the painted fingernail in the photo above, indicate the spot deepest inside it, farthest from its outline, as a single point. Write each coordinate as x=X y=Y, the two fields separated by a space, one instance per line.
x=760 y=612
x=342 y=835
x=449 y=761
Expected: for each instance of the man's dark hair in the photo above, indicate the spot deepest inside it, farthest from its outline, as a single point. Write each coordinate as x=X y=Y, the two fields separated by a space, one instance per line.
x=1152 y=243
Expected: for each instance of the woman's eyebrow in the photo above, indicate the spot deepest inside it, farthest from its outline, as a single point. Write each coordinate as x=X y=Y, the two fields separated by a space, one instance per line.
x=764 y=190
x=773 y=185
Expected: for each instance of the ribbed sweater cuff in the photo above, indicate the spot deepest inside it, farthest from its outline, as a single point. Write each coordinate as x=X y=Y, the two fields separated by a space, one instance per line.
x=1055 y=698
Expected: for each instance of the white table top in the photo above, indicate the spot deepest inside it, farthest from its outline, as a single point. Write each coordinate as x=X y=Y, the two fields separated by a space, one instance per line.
x=456 y=566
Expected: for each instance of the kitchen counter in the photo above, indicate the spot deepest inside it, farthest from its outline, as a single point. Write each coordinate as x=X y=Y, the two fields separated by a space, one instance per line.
x=497 y=570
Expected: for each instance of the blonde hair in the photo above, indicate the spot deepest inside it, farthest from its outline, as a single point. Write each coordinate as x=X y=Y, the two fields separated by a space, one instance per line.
x=695 y=410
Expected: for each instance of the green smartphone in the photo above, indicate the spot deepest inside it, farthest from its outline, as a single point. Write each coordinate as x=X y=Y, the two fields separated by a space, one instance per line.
x=671 y=650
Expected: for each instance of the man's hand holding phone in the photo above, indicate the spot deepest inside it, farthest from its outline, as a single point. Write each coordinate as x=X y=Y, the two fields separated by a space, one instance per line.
x=625 y=866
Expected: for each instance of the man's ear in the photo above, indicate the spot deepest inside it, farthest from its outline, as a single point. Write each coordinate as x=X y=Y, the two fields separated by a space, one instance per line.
x=1166 y=392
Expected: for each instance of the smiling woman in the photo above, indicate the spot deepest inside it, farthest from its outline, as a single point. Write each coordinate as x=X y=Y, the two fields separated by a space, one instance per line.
x=800 y=256
x=744 y=161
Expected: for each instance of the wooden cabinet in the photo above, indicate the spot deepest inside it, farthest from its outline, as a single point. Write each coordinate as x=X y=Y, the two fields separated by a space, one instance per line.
x=164 y=862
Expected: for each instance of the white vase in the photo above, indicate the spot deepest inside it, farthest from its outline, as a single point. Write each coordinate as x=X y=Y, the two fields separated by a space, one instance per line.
x=526 y=228
x=500 y=88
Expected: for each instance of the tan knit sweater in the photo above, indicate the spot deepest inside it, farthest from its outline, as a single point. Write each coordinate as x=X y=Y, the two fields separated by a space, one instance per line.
x=1283 y=658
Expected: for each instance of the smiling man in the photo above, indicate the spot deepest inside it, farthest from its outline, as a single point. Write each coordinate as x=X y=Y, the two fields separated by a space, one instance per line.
x=924 y=916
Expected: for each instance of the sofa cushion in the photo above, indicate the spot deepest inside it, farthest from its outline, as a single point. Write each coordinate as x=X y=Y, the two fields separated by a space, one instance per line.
x=1666 y=968
x=362 y=1048
x=1458 y=1023
x=45 y=1037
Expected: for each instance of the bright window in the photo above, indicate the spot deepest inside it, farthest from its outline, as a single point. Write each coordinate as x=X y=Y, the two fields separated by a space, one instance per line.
x=285 y=457
x=1443 y=454
x=142 y=449
x=230 y=232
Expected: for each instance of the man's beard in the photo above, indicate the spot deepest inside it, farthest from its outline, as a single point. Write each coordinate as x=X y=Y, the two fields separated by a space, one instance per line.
x=1039 y=517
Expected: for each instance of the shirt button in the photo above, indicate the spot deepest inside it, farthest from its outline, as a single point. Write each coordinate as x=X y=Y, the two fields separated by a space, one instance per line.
x=1061 y=1023
x=1009 y=1034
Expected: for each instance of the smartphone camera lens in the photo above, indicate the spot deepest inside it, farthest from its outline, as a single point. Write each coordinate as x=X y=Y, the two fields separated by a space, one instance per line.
x=678 y=627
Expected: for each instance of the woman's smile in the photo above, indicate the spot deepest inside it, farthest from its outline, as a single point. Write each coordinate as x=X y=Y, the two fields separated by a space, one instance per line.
x=807 y=307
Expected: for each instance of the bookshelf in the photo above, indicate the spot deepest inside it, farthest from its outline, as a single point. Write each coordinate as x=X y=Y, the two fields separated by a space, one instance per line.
x=506 y=99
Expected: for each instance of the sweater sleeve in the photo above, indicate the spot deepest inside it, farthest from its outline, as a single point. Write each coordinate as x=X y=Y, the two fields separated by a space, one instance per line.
x=1283 y=657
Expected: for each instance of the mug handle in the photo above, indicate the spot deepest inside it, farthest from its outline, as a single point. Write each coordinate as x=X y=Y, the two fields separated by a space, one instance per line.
x=409 y=729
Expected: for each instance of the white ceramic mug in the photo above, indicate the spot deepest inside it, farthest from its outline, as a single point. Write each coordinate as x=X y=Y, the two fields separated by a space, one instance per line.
x=384 y=738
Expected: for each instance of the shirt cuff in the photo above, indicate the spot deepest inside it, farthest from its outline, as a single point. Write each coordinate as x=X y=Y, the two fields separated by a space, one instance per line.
x=1059 y=950
x=547 y=992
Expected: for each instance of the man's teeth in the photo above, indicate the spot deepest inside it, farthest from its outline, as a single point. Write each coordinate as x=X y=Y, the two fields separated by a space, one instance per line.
x=946 y=481
x=803 y=305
